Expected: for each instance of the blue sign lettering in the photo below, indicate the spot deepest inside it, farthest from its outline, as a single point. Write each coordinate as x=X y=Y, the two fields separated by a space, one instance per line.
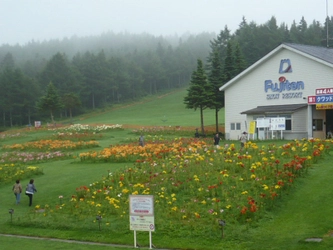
x=283 y=86
x=324 y=98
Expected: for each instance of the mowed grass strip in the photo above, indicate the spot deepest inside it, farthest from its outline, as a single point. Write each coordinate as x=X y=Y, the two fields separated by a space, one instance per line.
x=12 y=242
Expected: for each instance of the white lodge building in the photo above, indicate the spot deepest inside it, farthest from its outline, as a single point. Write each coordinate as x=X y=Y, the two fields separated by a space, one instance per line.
x=286 y=94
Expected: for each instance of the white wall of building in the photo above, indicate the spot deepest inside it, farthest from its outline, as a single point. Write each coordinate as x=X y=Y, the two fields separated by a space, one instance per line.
x=248 y=91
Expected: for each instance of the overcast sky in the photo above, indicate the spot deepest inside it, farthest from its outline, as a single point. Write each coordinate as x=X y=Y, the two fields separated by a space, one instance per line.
x=22 y=21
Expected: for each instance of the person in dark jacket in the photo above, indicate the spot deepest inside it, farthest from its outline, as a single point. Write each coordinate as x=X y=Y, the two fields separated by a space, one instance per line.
x=217 y=140
x=30 y=190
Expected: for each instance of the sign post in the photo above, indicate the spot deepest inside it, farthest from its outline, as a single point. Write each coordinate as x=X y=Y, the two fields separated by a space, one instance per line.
x=38 y=124
x=142 y=215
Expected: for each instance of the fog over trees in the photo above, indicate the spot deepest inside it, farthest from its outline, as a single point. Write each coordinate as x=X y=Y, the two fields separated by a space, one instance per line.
x=97 y=71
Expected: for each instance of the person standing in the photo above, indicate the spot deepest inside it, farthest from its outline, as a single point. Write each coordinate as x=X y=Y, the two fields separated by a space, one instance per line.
x=31 y=189
x=141 y=141
x=17 y=189
x=196 y=134
x=243 y=139
x=217 y=140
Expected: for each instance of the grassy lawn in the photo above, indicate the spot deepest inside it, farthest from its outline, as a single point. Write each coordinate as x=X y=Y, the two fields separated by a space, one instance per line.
x=302 y=214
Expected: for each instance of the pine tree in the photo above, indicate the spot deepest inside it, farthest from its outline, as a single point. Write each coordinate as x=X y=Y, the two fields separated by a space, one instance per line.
x=50 y=102
x=198 y=96
x=219 y=45
x=215 y=81
x=239 y=61
x=70 y=102
x=229 y=66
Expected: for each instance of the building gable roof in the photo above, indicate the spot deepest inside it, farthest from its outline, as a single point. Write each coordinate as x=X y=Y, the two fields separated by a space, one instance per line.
x=275 y=109
x=320 y=54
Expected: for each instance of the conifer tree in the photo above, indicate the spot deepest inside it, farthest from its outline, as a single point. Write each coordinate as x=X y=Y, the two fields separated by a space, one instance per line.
x=71 y=101
x=50 y=101
x=239 y=60
x=198 y=96
x=229 y=66
x=215 y=79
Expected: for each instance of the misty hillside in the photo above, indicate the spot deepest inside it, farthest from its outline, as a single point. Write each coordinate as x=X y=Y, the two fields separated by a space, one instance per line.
x=88 y=73
x=120 y=44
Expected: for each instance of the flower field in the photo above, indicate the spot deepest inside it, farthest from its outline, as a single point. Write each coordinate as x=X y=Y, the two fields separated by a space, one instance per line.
x=193 y=184
x=68 y=138
x=9 y=173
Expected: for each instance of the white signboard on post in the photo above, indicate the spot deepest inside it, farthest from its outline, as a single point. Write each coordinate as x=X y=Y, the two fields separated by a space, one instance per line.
x=278 y=123
x=142 y=213
x=263 y=122
x=38 y=124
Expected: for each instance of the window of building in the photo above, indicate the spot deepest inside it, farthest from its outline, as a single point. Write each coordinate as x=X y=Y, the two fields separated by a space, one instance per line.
x=288 y=124
x=235 y=126
x=317 y=124
x=288 y=121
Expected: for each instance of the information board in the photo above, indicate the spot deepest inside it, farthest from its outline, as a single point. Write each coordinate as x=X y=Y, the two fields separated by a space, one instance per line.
x=142 y=213
x=278 y=123
x=263 y=122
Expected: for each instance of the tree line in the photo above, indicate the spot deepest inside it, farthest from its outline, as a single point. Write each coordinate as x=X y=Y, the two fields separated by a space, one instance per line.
x=94 y=72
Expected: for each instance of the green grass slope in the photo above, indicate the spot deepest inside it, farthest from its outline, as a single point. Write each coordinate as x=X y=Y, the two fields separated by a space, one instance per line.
x=159 y=110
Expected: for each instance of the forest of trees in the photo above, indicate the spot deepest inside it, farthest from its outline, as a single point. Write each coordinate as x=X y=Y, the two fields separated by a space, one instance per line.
x=94 y=72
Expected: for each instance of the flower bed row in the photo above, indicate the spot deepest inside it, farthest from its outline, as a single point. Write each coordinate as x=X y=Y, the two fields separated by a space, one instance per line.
x=52 y=145
x=11 y=172
x=33 y=157
x=81 y=127
x=4 y=136
x=77 y=136
x=134 y=152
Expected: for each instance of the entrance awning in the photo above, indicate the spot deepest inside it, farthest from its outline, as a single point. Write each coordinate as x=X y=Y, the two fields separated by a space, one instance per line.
x=275 y=109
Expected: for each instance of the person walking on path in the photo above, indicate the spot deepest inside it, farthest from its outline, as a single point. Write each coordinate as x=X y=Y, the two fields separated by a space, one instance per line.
x=243 y=139
x=17 y=189
x=217 y=140
x=30 y=190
